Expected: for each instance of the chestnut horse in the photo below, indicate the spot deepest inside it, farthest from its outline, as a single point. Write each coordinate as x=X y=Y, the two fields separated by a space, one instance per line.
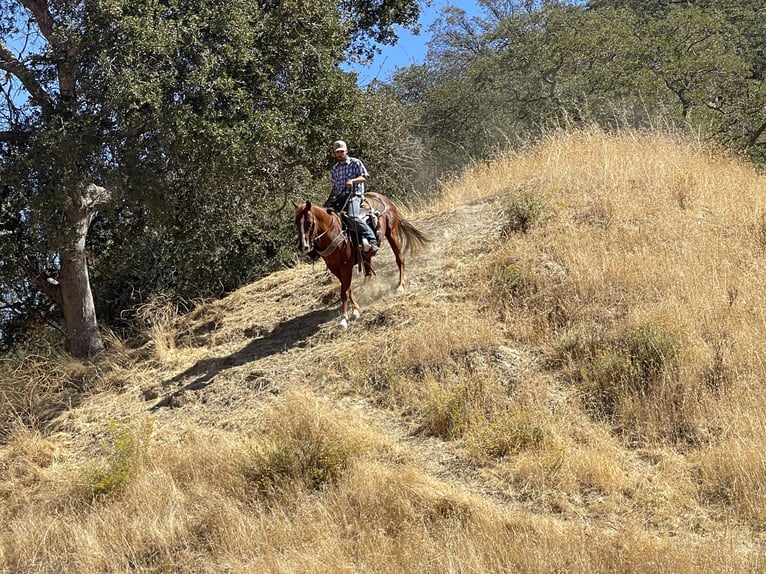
x=322 y=231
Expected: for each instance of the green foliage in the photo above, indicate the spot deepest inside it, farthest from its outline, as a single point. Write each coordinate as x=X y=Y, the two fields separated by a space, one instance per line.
x=525 y=67
x=514 y=285
x=446 y=411
x=654 y=348
x=579 y=343
x=523 y=208
x=201 y=119
x=451 y=405
x=513 y=279
x=305 y=453
x=634 y=364
x=382 y=137
x=375 y=20
x=507 y=434
x=123 y=451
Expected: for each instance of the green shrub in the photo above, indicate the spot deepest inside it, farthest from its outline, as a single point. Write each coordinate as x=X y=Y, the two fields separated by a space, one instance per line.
x=123 y=453
x=446 y=410
x=312 y=464
x=577 y=343
x=523 y=207
x=608 y=374
x=514 y=280
x=451 y=403
x=512 y=432
x=303 y=454
x=633 y=364
x=654 y=348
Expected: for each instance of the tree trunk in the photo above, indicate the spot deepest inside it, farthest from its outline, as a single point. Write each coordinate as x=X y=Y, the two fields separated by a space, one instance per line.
x=83 y=338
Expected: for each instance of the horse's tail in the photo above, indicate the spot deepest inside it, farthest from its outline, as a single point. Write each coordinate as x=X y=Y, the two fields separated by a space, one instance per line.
x=415 y=240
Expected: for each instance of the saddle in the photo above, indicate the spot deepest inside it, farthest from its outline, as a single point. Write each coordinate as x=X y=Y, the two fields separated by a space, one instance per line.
x=369 y=211
x=349 y=228
x=370 y=214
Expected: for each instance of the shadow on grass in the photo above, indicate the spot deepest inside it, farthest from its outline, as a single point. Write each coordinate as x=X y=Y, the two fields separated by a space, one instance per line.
x=287 y=335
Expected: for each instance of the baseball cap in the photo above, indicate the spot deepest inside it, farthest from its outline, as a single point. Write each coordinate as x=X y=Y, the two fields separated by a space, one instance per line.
x=339 y=145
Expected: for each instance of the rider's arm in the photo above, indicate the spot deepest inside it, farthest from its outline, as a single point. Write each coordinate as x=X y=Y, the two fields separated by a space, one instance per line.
x=355 y=180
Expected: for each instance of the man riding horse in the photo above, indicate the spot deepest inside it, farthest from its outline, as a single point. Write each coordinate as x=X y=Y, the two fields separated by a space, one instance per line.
x=348 y=177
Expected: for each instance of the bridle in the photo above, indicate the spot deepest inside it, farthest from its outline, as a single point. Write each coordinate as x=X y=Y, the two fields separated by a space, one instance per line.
x=310 y=233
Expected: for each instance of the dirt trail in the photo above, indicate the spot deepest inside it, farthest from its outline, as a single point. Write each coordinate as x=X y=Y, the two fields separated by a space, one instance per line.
x=256 y=337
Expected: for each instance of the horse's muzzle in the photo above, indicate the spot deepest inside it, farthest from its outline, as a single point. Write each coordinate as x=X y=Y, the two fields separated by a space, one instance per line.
x=303 y=246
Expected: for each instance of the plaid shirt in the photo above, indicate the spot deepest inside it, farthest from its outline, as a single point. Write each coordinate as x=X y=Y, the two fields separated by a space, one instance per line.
x=342 y=172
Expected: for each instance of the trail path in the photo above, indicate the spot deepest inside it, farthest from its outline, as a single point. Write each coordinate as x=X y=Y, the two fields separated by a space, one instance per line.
x=256 y=338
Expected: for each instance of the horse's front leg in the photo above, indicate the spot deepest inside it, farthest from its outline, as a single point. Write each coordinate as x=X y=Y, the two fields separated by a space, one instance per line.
x=345 y=296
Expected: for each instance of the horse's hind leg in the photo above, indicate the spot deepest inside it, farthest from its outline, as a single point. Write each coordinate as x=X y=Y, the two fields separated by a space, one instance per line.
x=355 y=312
x=346 y=297
x=394 y=240
x=369 y=268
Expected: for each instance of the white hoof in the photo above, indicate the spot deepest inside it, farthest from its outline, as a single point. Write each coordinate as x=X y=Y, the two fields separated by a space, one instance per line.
x=343 y=323
x=355 y=314
x=400 y=290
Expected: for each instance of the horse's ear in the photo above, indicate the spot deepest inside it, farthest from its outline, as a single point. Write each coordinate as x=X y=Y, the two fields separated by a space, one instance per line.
x=295 y=205
x=308 y=205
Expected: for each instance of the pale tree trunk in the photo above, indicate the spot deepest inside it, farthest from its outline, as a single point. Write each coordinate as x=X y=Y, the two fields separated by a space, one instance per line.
x=83 y=338
x=71 y=290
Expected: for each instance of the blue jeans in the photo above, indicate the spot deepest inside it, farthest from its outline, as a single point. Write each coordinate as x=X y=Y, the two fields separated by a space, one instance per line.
x=352 y=209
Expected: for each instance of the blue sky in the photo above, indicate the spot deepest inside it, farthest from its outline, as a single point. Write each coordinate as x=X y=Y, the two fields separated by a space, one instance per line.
x=410 y=49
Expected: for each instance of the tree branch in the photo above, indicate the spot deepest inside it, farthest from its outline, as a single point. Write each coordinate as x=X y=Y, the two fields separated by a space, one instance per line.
x=30 y=311
x=95 y=195
x=757 y=135
x=46 y=284
x=65 y=56
x=43 y=17
x=10 y=63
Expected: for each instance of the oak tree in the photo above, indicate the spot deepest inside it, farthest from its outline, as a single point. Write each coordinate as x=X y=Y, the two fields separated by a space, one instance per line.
x=117 y=111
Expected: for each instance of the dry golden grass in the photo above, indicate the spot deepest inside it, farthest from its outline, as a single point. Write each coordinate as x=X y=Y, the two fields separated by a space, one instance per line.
x=572 y=383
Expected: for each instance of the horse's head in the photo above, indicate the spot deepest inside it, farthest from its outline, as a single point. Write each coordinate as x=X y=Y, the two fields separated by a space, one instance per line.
x=316 y=226
x=305 y=222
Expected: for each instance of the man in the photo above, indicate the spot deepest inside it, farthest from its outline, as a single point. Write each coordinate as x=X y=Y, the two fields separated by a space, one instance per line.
x=348 y=177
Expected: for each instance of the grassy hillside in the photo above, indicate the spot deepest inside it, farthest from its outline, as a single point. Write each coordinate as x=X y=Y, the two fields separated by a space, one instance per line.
x=573 y=382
